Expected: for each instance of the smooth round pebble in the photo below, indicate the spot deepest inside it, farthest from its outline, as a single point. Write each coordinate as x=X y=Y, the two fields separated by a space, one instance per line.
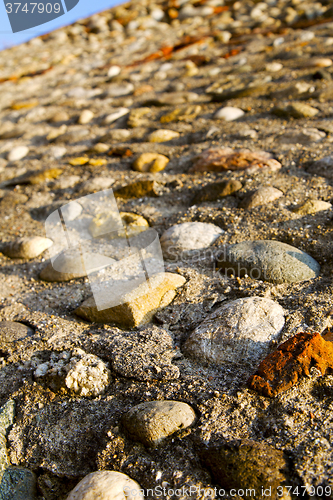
x=260 y=197
x=112 y=117
x=228 y=114
x=12 y=331
x=241 y=331
x=85 y=117
x=18 y=153
x=188 y=236
x=150 y=162
x=274 y=66
x=106 y=485
x=163 y=135
x=27 y=248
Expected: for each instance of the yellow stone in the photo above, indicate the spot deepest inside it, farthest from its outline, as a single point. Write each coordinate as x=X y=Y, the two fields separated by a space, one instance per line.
x=162 y=135
x=105 y=223
x=97 y=162
x=186 y=114
x=25 y=104
x=81 y=160
x=150 y=162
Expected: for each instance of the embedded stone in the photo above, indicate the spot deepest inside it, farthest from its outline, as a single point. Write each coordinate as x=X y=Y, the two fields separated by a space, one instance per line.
x=106 y=485
x=27 y=248
x=241 y=331
x=17 y=153
x=229 y=114
x=216 y=190
x=139 y=189
x=260 y=197
x=163 y=135
x=221 y=159
x=312 y=207
x=104 y=224
x=150 y=162
x=85 y=117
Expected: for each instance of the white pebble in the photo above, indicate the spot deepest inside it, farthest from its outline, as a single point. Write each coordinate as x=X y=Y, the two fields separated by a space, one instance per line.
x=106 y=485
x=85 y=117
x=114 y=71
x=274 y=66
x=112 y=117
x=228 y=114
x=18 y=153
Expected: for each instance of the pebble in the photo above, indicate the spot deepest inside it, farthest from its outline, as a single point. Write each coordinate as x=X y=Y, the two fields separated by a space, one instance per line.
x=138 y=306
x=118 y=135
x=269 y=260
x=57 y=152
x=96 y=183
x=27 y=247
x=150 y=162
x=139 y=189
x=112 y=117
x=221 y=159
x=114 y=71
x=216 y=190
x=18 y=483
x=11 y=133
x=71 y=211
x=184 y=114
x=319 y=62
x=312 y=207
x=241 y=331
x=60 y=116
x=17 y=153
x=261 y=196
x=85 y=117
x=163 y=135
x=104 y=223
x=11 y=331
x=229 y=114
x=173 y=98
x=153 y=421
x=117 y=90
x=106 y=485
x=137 y=117
x=274 y=66
x=323 y=167
x=297 y=110
x=181 y=239
x=34 y=177
x=301 y=136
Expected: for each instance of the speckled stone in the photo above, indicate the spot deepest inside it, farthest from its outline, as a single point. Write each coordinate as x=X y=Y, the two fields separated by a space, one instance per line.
x=260 y=197
x=268 y=260
x=153 y=421
x=18 y=483
x=312 y=207
x=106 y=485
x=241 y=331
x=11 y=331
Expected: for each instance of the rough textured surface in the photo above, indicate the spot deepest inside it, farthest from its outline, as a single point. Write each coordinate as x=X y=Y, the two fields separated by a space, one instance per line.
x=219 y=160
x=272 y=261
x=152 y=422
x=138 y=306
x=291 y=361
x=187 y=237
x=261 y=197
x=150 y=162
x=106 y=485
x=241 y=331
x=18 y=483
x=27 y=248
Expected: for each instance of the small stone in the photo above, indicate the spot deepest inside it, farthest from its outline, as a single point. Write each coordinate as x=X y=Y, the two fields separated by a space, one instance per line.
x=138 y=306
x=184 y=114
x=163 y=135
x=269 y=260
x=27 y=248
x=153 y=421
x=114 y=71
x=17 y=153
x=172 y=98
x=11 y=331
x=221 y=159
x=60 y=116
x=241 y=331
x=302 y=136
x=85 y=117
x=118 y=90
x=99 y=148
x=97 y=162
x=106 y=485
x=57 y=151
x=18 y=483
x=312 y=207
x=80 y=160
x=260 y=197
x=273 y=67
x=112 y=117
x=257 y=466
x=319 y=62
x=71 y=210
x=34 y=178
x=297 y=110
x=118 y=135
x=136 y=117
x=189 y=236
x=104 y=223
x=11 y=133
x=216 y=190
x=228 y=114
x=139 y=189
x=98 y=183
x=323 y=167
x=292 y=360
x=150 y=162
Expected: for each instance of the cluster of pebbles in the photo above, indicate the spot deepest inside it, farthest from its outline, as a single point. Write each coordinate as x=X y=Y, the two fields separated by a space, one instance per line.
x=211 y=121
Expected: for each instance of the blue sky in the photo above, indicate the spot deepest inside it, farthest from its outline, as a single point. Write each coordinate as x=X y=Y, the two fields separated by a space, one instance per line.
x=84 y=9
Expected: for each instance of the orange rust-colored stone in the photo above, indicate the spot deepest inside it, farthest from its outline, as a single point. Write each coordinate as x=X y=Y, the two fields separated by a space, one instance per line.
x=292 y=360
x=221 y=159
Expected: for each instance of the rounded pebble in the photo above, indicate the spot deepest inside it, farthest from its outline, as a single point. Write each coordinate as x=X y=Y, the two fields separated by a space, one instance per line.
x=106 y=485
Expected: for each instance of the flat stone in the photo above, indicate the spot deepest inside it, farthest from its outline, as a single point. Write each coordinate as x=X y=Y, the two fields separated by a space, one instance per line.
x=139 y=189
x=51 y=275
x=11 y=331
x=96 y=183
x=319 y=62
x=323 y=167
x=189 y=236
x=106 y=485
x=60 y=116
x=104 y=223
x=246 y=464
x=150 y=162
x=18 y=483
x=117 y=90
x=183 y=114
x=302 y=136
x=292 y=360
x=17 y=153
x=216 y=190
x=112 y=117
x=85 y=117
x=228 y=114
x=241 y=331
x=297 y=110
x=34 y=177
x=27 y=248
x=269 y=260
x=222 y=159
x=138 y=306
x=163 y=135
x=260 y=197
x=312 y=207
x=153 y=421
x=172 y=98
x=11 y=133
x=118 y=135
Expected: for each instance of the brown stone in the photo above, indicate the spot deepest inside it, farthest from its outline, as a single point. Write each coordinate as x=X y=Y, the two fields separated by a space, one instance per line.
x=221 y=159
x=292 y=360
x=138 y=190
x=216 y=190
